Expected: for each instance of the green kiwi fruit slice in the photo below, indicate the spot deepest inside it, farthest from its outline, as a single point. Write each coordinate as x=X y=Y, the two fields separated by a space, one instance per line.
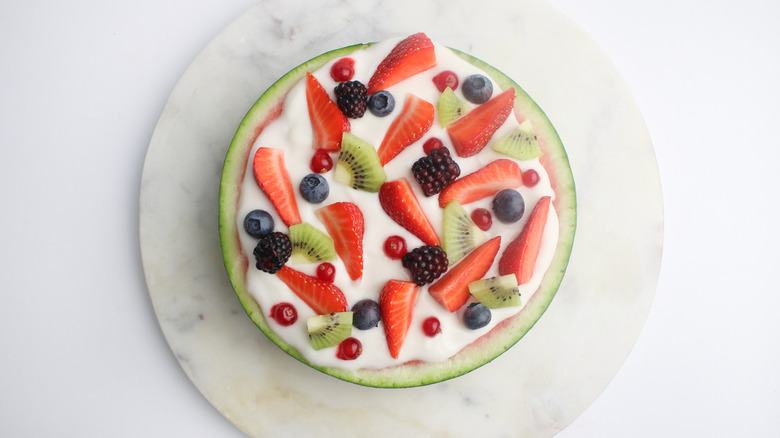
x=310 y=245
x=494 y=292
x=358 y=165
x=329 y=329
x=450 y=107
x=461 y=234
x=521 y=143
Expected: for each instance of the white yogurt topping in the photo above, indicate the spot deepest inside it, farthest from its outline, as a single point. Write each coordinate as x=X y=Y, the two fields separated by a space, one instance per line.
x=292 y=132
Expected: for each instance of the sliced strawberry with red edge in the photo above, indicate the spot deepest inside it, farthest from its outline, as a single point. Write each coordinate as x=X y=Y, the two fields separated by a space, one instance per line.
x=485 y=182
x=321 y=296
x=412 y=55
x=398 y=200
x=396 y=304
x=452 y=289
x=344 y=222
x=272 y=177
x=520 y=255
x=412 y=123
x=328 y=123
x=472 y=132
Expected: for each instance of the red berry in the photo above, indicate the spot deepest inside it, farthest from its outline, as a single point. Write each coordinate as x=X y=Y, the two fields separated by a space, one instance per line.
x=530 y=178
x=395 y=247
x=482 y=218
x=284 y=313
x=326 y=272
x=321 y=162
x=343 y=70
x=431 y=144
x=431 y=326
x=446 y=79
x=349 y=349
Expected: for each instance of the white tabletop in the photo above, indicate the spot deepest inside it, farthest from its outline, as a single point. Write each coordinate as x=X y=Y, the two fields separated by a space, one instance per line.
x=84 y=84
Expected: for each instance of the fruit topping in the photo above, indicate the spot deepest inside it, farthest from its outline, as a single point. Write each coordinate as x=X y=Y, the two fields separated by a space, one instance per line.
x=344 y=222
x=477 y=89
x=329 y=330
x=425 y=263
x=322 y=297
x=472 y=132
x=460 y=234
x=321 y=162
x=284 y=314
x=326 y=272
x=476 y=316
x=272 y=252
x=397 y=304
x=520 y=255
x=366 y=314
x=258 y=223
x=431 y=144
x=484 y=183
x=358 y=165
x=450 y=108
x=452 y=290
x=272 y=177
x=400 y=203
x=435 y=171
x=520 y=143
x=343 y=69
x=412 y=55
x=310 y=245
x=431 y=326
x=349 y=349
x=314 y=188
x=446 y=79
x=495 y=292
x=482 y=218
x=381 y=103
x=414 y=121
x=530 y=178
x=509 y=206
x=327 y=121
x=351 y=98
x=395 y=247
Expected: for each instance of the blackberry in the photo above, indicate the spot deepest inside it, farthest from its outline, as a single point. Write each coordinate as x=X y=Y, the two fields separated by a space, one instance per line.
x=351 y=98
x=272 y=252
x=426 y=263
x=435 y=171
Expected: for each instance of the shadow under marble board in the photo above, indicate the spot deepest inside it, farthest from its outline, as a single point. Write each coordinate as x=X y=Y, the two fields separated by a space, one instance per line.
x=535 y=389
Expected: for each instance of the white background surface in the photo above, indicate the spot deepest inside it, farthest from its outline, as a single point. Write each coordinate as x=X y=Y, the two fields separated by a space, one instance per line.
x=83 y=83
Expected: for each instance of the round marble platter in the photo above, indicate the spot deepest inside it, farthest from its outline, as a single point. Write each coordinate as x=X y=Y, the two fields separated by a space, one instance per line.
x=534 y=390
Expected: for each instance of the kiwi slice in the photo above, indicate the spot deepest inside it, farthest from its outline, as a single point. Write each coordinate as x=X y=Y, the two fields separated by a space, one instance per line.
x=358 y=165
x=310 y=245
x=329 y=329
x=450 y=107
x=461 y=234
x=494 y=292
x=520 y=143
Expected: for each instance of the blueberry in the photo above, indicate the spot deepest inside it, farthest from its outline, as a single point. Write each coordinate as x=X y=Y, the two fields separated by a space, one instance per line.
x=381 y=103
x=477 y=89
x=476 y=316
x=314 y=188
x=509 y=206
x=258 y=223
x=366 y=314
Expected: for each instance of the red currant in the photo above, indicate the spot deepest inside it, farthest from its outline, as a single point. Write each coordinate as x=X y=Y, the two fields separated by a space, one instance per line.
x=326 y=272
x=284 y=313
x=349 y=349
x=446 y=79
x=431 y=326
x=431 y=144
x=321 y=162
x=343 y=70
x=395 y=247
x=530 y=178
x=482 y=218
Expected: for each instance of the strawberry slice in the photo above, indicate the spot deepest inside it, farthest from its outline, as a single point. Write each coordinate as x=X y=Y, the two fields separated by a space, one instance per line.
x=272 y=177
x=413 y=55
x=472 y=132
x=396 y=303
x=327 y=121
x=399 y=202
x=485 y=182
x=344 y=222
x=452 y=289
x=414 y=121
x=520 y=255
x=322 y=297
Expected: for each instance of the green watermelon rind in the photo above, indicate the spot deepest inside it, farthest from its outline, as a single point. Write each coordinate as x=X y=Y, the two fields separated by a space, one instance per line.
x=486 y=348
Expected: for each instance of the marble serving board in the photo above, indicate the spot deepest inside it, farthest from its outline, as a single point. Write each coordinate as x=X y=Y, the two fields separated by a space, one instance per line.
x=534 y=390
